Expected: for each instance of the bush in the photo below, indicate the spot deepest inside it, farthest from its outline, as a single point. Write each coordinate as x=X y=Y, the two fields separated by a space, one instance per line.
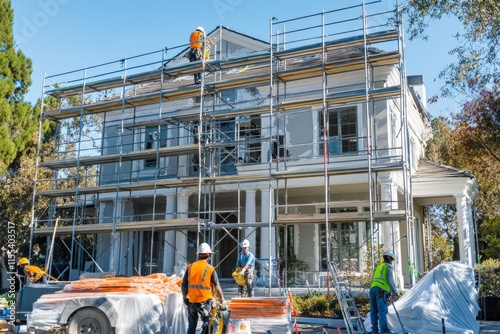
x=315 y=305
x=489 y=277
x=318 y=305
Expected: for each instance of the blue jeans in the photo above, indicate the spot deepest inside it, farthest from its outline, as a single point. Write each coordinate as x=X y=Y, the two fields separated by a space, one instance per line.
x=199 y=310
x=378 y=309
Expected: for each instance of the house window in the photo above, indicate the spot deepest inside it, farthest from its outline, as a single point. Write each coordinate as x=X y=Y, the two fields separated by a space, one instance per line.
x=344 y=242
x=342 y=130
x=153 y=141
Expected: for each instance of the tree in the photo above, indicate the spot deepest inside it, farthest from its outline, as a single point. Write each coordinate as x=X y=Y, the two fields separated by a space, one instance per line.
x=471 y=142
x=477 y=133
x=18 y=121
x=477 y=47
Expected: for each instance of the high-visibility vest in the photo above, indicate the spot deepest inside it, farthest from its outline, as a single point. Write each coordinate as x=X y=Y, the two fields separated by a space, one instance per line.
x=199 y=281
x=35 y=272
x=196 y=40
x=380 y=277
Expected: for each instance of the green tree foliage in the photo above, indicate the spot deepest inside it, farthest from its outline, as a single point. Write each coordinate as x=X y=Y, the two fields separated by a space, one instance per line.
x=472 y=143
x=444 y=231
x=477 y=50
x=490 y=238
x=18 y=121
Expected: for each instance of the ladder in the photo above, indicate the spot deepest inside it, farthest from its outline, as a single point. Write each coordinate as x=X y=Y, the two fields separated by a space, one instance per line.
x=350 y=312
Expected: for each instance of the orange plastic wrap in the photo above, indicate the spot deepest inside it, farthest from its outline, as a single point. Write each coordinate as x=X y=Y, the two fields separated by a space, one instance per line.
x=159 y=284
x=265 y=307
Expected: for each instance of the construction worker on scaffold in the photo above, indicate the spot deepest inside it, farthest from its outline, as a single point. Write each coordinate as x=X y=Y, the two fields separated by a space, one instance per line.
x=197 y=49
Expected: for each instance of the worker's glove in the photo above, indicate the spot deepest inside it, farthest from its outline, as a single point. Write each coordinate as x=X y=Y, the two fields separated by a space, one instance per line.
x=223 y=305
x=186 y=301
x=243 y=271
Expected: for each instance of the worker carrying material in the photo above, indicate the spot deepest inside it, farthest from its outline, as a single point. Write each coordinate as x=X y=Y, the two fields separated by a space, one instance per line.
x=381 y=288
x=32 y=273
x=198 y=284
x=246 y=263
x=197 y=49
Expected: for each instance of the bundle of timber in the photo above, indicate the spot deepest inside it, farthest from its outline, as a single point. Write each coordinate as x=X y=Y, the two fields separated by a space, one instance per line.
x=158 y=284
x=261 y=314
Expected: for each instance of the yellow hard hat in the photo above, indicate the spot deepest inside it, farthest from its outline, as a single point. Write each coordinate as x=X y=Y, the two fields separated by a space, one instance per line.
x=22 y=261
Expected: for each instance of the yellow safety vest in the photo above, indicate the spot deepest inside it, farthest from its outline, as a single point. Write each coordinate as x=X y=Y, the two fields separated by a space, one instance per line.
x=380 y=277
x=199 y=281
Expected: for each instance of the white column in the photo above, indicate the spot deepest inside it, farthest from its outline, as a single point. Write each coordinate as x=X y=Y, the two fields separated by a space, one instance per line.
x=470 y=219
x=250 y=216
x=267 y=237
x=183 y=159
x=390 y=229
x=265 y=133
x=115 y=242
x=181 y=238
x=169 y=244
x=103 y=240
x=464 y=218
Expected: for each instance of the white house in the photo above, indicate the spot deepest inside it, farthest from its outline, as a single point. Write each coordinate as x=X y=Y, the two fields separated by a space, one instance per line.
x=311 y=148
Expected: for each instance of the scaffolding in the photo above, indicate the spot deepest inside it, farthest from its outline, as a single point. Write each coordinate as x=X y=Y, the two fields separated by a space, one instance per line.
x=140 y=149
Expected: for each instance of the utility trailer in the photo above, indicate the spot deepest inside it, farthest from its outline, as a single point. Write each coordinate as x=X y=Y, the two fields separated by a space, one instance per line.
x=146 y=305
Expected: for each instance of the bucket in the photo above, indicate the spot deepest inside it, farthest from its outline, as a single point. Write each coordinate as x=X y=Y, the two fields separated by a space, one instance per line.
x=239 y=327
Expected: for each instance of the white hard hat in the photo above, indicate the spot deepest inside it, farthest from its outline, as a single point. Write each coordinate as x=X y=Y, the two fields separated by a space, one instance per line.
x=245 y=243
x=204 y=248
x=390 y=254
x=201 y=29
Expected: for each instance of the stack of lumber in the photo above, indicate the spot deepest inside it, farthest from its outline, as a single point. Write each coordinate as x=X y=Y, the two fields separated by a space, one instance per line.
x=159 y=284
x=258 y=307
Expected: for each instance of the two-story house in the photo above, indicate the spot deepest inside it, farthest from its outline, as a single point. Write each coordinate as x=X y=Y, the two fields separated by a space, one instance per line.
x=310 y=145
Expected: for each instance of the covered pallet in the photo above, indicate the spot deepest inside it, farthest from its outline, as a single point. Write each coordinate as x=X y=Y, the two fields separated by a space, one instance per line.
x=447 y=293
x=258 y=315
x=151 y=304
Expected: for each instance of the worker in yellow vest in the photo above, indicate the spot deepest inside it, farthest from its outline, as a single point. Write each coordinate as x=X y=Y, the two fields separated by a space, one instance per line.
x=381 y=288
x=197 y=49
x=32 y=273
x=198 y=285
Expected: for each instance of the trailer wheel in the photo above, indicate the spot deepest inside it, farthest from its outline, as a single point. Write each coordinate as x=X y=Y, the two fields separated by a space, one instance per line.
x=89 y=320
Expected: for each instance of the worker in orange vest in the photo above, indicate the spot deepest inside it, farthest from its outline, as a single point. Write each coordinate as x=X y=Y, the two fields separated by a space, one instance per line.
x=198 y=285
x=32 y=273
x=196 y=49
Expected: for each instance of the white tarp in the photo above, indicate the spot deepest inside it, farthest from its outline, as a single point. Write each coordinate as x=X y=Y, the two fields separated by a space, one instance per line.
x=130 y=312
x=447 y=292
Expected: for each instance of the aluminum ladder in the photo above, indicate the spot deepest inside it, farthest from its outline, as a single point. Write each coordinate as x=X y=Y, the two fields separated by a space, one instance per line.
x=350 y=312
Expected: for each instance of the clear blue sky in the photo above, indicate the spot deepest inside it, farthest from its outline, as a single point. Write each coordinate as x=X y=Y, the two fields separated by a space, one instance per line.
x=63 y=35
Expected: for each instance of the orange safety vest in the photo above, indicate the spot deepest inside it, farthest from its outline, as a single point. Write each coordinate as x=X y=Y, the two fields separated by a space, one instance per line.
x=200 y=281
x=196 y=40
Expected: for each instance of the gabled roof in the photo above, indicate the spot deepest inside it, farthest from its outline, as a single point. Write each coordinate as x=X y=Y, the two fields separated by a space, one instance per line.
x=440 y=184
x=430 y=169
x=214 y=33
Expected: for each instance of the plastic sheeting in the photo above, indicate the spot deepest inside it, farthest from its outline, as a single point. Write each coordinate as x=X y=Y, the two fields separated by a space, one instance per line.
x=447 y=292
x=131 y=313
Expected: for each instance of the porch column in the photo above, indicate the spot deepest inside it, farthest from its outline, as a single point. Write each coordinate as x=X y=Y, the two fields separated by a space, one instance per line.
x=267 y=237
x=183 y=166
x=181 y=238
x=390 y=229
x=169 y=243
x=465 y=230
x=114 y=262
x=103 y=239
x=250 y=217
